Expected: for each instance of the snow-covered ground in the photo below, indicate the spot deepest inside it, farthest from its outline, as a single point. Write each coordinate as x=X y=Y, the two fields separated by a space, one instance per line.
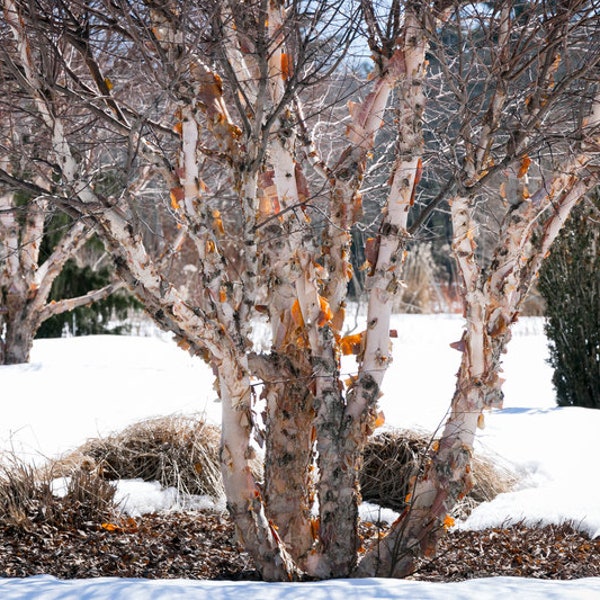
x=78 y=388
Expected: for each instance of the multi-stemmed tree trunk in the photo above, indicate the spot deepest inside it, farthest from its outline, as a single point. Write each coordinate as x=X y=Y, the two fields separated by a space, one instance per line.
x=231 y=85
x=493 y=288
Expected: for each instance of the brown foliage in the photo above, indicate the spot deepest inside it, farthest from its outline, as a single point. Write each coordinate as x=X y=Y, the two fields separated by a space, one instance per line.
x=393 y=457
x=180 y=452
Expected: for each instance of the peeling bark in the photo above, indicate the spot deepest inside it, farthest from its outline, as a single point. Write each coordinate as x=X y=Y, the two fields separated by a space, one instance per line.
x=384 y=280
x=346 y=177
x=492 y=299
x=244 y=500
x=238 y=103
x=289 y=485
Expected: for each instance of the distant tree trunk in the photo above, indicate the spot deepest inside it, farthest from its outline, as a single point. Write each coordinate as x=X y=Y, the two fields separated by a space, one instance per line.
x=18 y=339
x=25 y=282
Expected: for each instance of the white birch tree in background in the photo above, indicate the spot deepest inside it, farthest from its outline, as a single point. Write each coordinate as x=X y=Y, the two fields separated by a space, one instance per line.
x=26 y=280
x=26 y=277
x=202 y=92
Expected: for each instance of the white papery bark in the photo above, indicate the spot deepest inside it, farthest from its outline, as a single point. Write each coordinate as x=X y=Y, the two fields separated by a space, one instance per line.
x=346 y=177
x=317 y=425
x=25 y=284
x=244 y=499
x=492 y=299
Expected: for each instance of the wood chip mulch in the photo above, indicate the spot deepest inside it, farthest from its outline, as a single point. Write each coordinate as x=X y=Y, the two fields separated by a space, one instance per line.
x=201 y=545
x=550 y=552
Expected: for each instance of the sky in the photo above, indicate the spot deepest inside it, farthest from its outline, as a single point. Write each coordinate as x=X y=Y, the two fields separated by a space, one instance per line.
x=78 y=388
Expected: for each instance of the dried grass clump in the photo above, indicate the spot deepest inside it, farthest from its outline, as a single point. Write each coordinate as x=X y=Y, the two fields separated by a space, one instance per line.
x=391 y=458
x=27 y=500
x=180 y=452
x=183 y=452
x=420 y=293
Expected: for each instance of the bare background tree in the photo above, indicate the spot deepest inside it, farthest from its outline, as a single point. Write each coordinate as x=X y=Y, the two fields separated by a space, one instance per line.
x=209 y=109
x=26 y=274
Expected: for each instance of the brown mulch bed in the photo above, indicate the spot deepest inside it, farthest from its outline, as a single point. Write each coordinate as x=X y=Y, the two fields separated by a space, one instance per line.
x=201 y=545
x=550 y=552
x=192 y=545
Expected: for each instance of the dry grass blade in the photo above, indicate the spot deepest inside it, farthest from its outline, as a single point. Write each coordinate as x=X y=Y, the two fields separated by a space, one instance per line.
x=390 y=459
x=90 y=497
x=27 y=500
x=180 y=452
x=22 y=496
x=393 y=457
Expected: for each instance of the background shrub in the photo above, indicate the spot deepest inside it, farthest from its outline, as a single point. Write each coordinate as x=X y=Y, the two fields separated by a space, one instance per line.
x=570 y=285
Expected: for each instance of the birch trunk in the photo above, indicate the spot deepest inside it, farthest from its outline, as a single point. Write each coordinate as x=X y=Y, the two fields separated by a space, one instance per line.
x=492 y=300
x=25 y=284
x=293 y=292
x=446 y=478
x=20 y=250
x=13 y=285
x=289 y=485
x=346 y=177
x=19 y=333
x=244 y=499
x=349 y=428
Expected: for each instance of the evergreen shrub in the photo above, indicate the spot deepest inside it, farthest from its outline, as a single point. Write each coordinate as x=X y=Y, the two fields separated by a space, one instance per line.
x=570 y=285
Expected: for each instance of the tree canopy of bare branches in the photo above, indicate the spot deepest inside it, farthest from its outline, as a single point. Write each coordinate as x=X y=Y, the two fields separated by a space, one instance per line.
x=256 y=132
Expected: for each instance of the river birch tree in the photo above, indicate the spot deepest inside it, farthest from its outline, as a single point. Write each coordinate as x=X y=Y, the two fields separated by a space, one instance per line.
x=26 y=278
x=232 y=99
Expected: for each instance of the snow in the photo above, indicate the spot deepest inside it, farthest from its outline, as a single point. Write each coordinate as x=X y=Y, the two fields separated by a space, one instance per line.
x=78 y=388
x=43 y=587
x=136 y=497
